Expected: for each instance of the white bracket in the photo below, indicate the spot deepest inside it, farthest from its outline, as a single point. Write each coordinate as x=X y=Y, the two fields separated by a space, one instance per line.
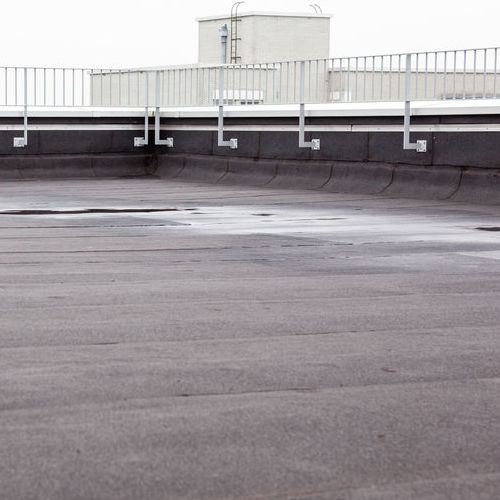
x=140 y=142
x=169 y=141
x=421 y=145
x=21 y=142
x=231 y=143
x=314 y=144
x=221 y=143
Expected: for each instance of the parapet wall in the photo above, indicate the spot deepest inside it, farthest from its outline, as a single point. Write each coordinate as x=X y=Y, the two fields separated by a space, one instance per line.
x=361 y=154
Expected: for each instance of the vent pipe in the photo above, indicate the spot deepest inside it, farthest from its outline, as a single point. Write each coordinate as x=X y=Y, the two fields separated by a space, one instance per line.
x=223 y=43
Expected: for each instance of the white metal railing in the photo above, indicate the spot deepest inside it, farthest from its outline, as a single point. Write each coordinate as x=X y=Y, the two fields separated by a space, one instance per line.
x=458 y=74
x=442 y=75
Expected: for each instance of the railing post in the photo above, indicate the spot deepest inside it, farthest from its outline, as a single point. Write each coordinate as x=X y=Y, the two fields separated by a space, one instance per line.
x=21 y=142
x=421 y=145
x=169 y=141
x=232 y=143
x=314 y=144
x=143 y=141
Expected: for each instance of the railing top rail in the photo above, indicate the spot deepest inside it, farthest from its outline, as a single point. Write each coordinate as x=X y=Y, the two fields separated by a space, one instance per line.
x=297 y=61
x=421 y=52
x=57 y=68
x=266 y=64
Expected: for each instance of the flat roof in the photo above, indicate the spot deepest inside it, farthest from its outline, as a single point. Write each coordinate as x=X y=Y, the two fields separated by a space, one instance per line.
x=381 y=311
x=265 y=14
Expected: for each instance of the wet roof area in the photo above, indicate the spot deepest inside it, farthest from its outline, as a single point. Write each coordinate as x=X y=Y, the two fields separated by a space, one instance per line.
x=162 y=339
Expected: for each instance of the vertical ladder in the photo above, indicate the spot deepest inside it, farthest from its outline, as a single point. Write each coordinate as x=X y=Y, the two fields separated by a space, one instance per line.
x=234 y=32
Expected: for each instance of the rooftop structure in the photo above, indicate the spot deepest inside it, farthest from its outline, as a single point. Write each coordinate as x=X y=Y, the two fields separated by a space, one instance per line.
x=259 y=37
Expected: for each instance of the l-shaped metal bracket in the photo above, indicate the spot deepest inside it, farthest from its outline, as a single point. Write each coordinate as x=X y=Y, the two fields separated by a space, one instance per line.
x=143 y=141
x=314 y=144
x=169 y=141
x=221 y=143
x=421 y=145
x=21 y=142
x=231 y=143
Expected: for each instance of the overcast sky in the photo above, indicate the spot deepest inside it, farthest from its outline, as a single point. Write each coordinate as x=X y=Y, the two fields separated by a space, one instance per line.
x=125 y=33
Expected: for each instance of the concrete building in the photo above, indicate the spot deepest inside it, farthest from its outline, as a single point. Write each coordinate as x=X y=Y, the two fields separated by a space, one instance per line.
x=260 y=37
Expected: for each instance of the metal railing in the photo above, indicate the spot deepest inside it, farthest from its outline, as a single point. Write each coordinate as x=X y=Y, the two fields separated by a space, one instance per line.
x=443 y=75
x=456 y=74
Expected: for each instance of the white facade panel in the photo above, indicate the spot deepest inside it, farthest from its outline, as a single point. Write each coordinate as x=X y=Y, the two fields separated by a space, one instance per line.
x=267 y=38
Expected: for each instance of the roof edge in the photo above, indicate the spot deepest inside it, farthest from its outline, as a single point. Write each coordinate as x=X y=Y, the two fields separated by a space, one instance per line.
x=265 y=14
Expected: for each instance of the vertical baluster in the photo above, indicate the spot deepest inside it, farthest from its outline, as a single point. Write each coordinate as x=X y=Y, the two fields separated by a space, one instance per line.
x=426 y=74
x=341 y=79
x=390 y=78
x=454 y=74
x=349 y=78
x=325 y=80
x=495 y=74
x=356 y=78
x=445 y=75
x=128 y=88
x=364 y=79
x=399 y=77
x=373 y=78
x=110 y=87
x=474 y=76
x=253 y=83
x=417 y=57
x=436 y=57
x=382 y=78
x=485 y=61
x=316 y=98
x=64 y=87
x=465 y=75
x=119 y=87
x=138 y=82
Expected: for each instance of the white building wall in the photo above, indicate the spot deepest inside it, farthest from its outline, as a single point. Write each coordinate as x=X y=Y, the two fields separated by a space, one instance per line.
x=267 y=38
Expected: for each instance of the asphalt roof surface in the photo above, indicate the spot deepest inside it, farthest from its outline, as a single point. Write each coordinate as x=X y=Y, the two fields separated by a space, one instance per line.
x=163 y=340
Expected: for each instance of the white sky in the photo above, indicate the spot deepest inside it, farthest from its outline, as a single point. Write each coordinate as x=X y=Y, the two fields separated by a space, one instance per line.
x=125 y=33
